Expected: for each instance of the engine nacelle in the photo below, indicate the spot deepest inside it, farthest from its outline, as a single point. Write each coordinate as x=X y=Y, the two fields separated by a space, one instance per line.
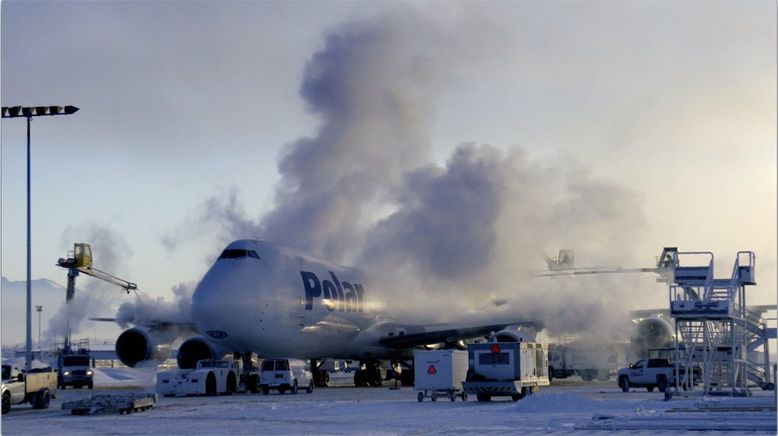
x=512 y=335
x=134 y=346
x=195 y=349
x=652 y=332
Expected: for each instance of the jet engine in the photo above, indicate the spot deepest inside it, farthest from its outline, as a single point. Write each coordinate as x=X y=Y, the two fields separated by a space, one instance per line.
x=652 y=332
x=521 y=334
x=195 y=349
x=134 y=346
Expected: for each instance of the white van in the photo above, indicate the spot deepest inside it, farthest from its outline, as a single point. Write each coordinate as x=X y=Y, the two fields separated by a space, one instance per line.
x=285 y=374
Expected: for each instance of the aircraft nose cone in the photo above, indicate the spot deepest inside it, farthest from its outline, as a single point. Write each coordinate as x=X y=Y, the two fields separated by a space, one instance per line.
x=208 y=303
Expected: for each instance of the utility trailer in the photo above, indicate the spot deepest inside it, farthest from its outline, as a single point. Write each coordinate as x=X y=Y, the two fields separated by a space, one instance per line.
x=440 y=373
x=509 y=369
x=111 y=403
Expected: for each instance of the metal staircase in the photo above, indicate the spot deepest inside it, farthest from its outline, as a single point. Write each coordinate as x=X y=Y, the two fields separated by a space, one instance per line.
x=715 y=333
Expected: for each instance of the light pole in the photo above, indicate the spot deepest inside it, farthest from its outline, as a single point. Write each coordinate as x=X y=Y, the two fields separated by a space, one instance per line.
x=39 y=309
x=29 y=112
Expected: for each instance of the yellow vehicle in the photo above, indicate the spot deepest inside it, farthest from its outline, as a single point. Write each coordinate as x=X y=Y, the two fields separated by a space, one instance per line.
x=36 y=387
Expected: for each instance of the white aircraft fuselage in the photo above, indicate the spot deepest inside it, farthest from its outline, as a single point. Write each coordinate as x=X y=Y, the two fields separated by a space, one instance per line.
x=279 y=301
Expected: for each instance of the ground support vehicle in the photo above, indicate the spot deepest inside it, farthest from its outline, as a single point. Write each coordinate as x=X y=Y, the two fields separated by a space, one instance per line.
x=285 y=375
x=210 y=377
x=585 y=361
x=513 y=369
x=440 y=373
x=73 y=366
x=111 y=403
x=653 y=373
x=37 y=387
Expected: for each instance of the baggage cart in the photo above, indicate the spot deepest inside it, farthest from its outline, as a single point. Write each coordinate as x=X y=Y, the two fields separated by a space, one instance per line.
x=111 y=403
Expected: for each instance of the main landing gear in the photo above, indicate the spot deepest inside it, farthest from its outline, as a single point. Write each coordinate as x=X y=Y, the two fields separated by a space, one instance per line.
x=371 y=375
x=249 y=377
x=321 y=378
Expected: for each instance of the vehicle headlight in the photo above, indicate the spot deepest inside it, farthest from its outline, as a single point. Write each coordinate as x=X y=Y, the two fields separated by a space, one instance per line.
x=89 y=372
x=66 y=373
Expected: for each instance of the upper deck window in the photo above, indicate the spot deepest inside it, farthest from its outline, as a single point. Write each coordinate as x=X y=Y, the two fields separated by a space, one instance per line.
x=238 y=253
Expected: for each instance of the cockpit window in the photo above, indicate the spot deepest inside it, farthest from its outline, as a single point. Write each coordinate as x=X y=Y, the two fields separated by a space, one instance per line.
x=238 y=253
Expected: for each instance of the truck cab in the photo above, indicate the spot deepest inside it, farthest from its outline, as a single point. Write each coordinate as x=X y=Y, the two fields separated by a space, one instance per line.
x=285 y=374
x=13 y=386
x=75 y=371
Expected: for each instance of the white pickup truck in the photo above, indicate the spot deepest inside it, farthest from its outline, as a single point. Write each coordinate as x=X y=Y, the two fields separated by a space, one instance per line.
x=36 y=387
x=650 y=374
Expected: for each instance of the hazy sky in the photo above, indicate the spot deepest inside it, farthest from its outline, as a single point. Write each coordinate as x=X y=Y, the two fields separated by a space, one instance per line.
x=182 y=102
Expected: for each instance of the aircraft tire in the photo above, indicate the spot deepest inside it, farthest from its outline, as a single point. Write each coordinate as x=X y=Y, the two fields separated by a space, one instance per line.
x=42 y=399
x=254 y=383
x=359 y=378
x=210 y=384
x=232 y=383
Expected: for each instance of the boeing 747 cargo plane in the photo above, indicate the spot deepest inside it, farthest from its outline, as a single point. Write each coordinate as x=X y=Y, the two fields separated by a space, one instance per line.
x=277 y=301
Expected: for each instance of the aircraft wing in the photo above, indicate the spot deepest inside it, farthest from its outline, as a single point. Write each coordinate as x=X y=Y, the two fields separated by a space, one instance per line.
x=425 y=335
x=153 y=323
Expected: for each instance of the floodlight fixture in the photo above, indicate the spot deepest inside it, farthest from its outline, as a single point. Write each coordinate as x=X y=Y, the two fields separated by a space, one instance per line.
x=37 y=111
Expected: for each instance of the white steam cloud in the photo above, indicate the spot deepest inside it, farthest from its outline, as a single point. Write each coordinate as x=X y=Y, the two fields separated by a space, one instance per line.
x=363 y=190
x=149 y=311
x=92 y=297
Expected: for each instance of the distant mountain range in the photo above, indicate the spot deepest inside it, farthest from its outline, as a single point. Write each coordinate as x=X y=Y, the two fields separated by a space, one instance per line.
x=13 y=304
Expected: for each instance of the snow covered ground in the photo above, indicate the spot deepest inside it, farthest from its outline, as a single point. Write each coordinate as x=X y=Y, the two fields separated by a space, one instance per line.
x=566 y=406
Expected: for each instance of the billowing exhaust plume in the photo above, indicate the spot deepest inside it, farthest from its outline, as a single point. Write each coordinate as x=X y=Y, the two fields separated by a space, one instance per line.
x=364 y=191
